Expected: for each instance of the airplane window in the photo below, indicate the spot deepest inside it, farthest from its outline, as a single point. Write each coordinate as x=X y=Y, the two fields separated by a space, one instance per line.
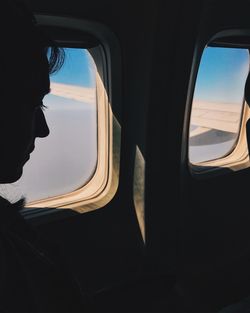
x=217 y=103
x=66 y=160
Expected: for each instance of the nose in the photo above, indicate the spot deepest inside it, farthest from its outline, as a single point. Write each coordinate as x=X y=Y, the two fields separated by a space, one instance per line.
x=41 y=126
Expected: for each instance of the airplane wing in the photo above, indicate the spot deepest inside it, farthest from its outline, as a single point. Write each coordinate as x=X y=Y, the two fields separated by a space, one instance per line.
x=219 y=116
x=78 y=93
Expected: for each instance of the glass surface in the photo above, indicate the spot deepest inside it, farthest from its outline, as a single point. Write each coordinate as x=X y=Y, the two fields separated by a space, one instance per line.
x=66 y=159
x=217 y=103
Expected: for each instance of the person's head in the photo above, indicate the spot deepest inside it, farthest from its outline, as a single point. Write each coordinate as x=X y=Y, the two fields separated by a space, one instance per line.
x=25 y=70
x=247 y=89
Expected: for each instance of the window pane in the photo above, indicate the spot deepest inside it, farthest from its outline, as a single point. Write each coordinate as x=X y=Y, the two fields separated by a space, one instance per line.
x=66 y=159
x=217 y=103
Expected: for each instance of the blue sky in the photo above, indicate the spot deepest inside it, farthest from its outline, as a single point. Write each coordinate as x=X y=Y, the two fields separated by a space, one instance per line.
x=222 y=74
x=77 y=69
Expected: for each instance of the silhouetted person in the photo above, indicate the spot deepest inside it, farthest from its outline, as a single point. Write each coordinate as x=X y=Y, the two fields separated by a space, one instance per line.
x=31 y=277
x=247 y=98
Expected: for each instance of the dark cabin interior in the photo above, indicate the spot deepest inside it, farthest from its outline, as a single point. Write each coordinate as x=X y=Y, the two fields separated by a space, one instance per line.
x=196 y=256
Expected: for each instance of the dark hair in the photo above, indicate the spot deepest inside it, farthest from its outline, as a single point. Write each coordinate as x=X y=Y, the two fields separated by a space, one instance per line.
x=56 y=57
x=37 y=39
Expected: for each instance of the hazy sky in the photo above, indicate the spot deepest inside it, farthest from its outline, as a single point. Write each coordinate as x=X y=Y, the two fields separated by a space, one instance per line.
x=66 y=159
x=221 y=79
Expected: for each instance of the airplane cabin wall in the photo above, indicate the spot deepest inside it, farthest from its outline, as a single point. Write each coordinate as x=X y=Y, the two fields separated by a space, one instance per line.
x=195 y=229
x=214 y=238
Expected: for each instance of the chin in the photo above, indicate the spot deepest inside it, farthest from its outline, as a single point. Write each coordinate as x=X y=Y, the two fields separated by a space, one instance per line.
x=10 y=177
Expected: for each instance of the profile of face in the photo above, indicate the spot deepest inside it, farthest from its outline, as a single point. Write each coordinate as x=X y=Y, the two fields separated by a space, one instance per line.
x=21 y=117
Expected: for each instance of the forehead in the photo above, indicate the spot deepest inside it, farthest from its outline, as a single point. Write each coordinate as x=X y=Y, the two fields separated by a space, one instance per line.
x=33 y=74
